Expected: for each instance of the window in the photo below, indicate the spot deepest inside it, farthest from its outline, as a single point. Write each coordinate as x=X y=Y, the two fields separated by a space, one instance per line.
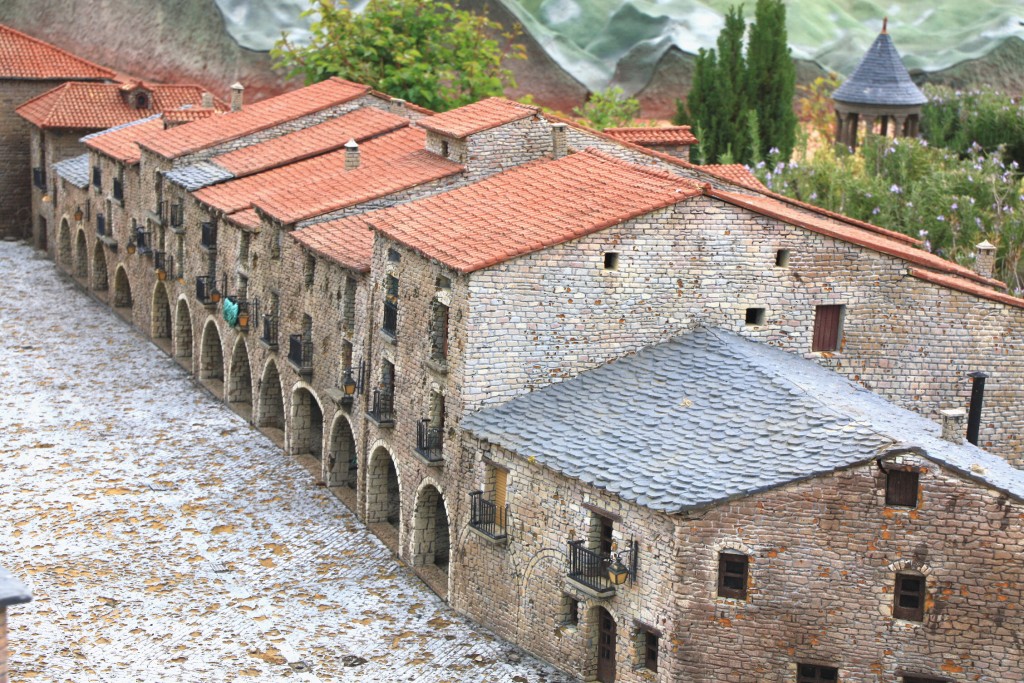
x=647 y=648
x=346 y=356
x=827 y=327
x=439 y=332
x=444 y=148
x=755 y=316
x=309 y=270
x=349 y=306
x=600 y=539
x=394 y=256
x=97 y=177
x=908 y=599
x=901 y=488
x=180 y=258
x=244 y=239
x=812 y=673
x=570 y=610
x=732 y=575
x=782 y=258
x=391 y=305
x=243 y=287
x=443 y=282
x=611 y=260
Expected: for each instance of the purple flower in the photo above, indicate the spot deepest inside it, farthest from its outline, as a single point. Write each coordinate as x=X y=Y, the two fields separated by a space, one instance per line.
x=875 y=211
x=895 y=188
x=939 y=218
x=954 y=207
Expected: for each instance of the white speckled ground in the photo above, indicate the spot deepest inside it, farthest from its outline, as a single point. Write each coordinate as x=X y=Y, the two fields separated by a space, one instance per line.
x=125 y=492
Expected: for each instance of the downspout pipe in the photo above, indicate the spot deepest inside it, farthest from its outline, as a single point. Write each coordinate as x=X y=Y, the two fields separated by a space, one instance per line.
x=977 y=399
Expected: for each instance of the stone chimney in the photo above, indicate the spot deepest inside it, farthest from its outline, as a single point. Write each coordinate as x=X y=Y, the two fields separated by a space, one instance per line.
x=207 y=101
x=985 y=259
x=236 y=96
x=12 y=592
x=953 y=424
x=351 y=155
x=559 y=140
x=398 y=106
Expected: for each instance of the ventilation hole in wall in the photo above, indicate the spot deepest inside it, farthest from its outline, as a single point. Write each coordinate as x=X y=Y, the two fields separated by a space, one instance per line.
x=755 y=316
x=611 y=260
x=782 y=258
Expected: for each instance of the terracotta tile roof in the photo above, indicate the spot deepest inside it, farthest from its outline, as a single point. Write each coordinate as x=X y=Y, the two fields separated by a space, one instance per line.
x=348 y=241
x=247 y=219
x=967 y=286
x=190 y=114
x=738 y=173
x=120 y=142
x=181 y=140
x=530 y=207
x=94 y=106
x=666 y=135
x=359 y=125
x=473 y=118
x=25 y=57
x=884 y=244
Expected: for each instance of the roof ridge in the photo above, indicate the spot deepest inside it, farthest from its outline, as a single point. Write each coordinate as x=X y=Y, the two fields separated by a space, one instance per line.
x=648 y=170
x=40 y=41
x=118 y=127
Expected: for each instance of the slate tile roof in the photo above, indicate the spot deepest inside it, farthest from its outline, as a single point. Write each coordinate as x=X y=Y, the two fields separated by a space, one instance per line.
x=197 y=176
x=476 y=117
x=347 y=241
x=666 y=135
x=12 y=591
x=74 y=170
x=530 y=207
x=121 y=142
x=880 y=79
x=181 y=140
x=25 y=57
x=709 y=417
x=101 y=105
x=738 y=173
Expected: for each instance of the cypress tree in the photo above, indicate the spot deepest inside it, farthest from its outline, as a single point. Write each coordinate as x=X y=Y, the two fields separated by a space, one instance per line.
x=731 y=83
x=702 y=105
x=771 y=78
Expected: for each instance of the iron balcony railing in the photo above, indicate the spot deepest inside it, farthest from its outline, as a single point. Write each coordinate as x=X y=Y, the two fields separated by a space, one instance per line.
x=429 y=441
x=382 y=408
x=101 y=225
x=300 y=352
x=39 y=178
x=206 y=289
x=118 y=190
x=269 y=336
x=486 y=517
x=589 y=568
x=391 y=318
x=208 y=237
x=142 y=241
x=160 y=261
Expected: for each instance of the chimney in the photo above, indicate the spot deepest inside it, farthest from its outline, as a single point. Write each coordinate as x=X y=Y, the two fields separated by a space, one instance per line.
x=398 y=106
x=953 y=424
x=236 y=96
x=207 y=101
x=559 y=143
x=985 y=259
x=977 y=399
x=885 y=24
x=351 y=155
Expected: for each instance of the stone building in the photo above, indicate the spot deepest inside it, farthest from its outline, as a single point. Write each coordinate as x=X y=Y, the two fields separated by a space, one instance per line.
x=28 y=67
x=672 y=140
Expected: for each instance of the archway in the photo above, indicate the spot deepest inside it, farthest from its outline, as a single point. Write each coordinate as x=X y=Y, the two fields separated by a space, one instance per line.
x=99 y=267
x=160 y=323
x=271 y=406
x=239 y=387
x=183 y=331
x=211 y=355
x=81 y=256
x=383 y=490
x=64 y=244
x=431 y=539
x=343 y=463
x=307 y=425
x=122 y=289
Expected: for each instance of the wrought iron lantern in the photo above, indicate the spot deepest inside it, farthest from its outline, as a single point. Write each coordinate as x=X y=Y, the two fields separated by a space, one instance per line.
x=79 y=215
x=348 y=386
x=617 y=571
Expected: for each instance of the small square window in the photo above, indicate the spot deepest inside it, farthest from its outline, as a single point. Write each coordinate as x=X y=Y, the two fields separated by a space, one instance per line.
x=611 y=260
x=394 y=256
x=782 y=258
x=812 y=673
x=444 y=282
x=908 y=600
x=901 y=488
x=732 y=575
x=647 y=648
x=755 y=316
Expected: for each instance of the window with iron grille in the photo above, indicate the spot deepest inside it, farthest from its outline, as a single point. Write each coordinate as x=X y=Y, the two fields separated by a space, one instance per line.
x=391 y=305
x=647 y=648
x=813 y=673
x=901 y=488
x=732 y=575
x=828 y=321
x=908 y=597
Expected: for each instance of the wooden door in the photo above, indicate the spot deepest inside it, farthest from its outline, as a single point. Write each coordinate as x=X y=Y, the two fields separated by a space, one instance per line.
x=605 y=646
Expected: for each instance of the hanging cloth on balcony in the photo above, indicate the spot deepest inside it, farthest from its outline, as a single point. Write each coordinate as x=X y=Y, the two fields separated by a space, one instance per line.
x=230 y=309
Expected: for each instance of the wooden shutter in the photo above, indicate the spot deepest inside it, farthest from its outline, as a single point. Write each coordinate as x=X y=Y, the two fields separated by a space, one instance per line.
x=908 y=601
x=500 y=487
x=901 y=488
x=826 y=328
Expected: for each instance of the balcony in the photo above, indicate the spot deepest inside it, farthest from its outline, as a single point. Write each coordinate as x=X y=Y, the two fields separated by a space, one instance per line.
x=206 y=290
x=382 y=408
x=208 y=238
x=429 y=441
x=39 y=178
x=391 y=318
x=142 y=241
x=300 y=353
x=486 y=517
x=269 y=335
x=590 y=569
x=101 y=225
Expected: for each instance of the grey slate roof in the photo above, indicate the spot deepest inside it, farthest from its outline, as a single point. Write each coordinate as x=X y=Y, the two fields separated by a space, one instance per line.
x=12 y=591
x=880 y=79
x=118 y=127
x=74 y=170
x=198 y=176
x=710 y=416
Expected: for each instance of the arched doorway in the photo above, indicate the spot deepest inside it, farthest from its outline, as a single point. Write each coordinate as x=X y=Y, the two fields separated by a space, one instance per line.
x=431 y=539
x=160 y=323
x=307 y=424
x=211 y=358
x=605 y=645
x=383 y=490
x=64 y=244
x=342 y=463
x=81 y=256
x=271 y=406
x=240 y=379
x=122 y=289
x=99 y=267
x=183 y=332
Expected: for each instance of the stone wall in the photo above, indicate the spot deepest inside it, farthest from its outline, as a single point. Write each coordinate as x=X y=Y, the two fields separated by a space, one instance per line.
x=3 y=645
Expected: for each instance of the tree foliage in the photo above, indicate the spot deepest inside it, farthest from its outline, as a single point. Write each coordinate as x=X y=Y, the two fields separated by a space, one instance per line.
x=771 y=78
x=428 y=53
x=608 y=108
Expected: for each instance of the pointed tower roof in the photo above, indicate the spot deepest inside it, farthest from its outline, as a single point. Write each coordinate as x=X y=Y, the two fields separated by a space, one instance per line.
x=881 y=79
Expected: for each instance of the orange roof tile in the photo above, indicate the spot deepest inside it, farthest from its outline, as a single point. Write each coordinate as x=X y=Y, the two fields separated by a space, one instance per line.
x=967 y=286
x=181 y=140
x=884 y=244
x=738 y=173
x=94 y=106
x=666 y=135
x=246 y=219
x=473 y=118
x=348 y=241
x=25 y=57
x=191 y=114
x=121 y=143
x=359 y=125
x=530 y=207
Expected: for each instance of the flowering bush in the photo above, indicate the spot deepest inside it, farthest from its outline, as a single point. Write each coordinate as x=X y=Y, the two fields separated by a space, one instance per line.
x=958 y=119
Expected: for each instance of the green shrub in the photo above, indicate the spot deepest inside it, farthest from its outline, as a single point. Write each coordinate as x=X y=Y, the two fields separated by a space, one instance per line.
x=957 y=119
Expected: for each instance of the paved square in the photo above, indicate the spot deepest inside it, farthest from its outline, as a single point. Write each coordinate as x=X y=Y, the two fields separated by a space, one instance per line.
x=166 y=540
